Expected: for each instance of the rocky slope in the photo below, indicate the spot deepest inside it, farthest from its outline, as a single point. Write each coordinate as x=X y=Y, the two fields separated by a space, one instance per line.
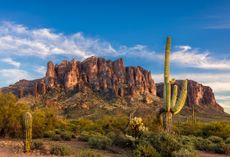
x=111 y=79
x=198 y=94
x=97 y=73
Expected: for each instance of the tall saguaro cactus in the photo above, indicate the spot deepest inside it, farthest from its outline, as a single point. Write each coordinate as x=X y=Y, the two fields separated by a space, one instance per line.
x=173 y=105
x=27 y=131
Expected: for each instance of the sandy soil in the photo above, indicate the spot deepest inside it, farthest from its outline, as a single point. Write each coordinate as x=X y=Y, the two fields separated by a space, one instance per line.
x=13 y=148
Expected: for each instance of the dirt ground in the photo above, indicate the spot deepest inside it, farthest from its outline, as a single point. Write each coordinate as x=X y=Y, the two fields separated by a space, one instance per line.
x=13 y=148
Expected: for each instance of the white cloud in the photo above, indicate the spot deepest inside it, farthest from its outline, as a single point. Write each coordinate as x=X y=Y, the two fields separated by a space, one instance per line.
x=11 y=62
x=189 y=57
x=19 y=40
x=41 y=70
x=218 y=82
x=11 y=76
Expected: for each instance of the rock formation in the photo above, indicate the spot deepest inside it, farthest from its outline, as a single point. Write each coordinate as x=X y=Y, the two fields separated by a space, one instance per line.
x=198 y=94
x=96 y=73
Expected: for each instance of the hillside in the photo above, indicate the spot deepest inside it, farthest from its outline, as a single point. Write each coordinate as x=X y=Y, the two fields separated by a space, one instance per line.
x=112 y=81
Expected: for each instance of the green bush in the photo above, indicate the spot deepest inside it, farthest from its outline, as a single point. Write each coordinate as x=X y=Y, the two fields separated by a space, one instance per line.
x=60 y=150
x=215 y=139
x=227 y=141
x=48 y=134
x=88 y=153
x=99 y=141
x=10 y=115
x=84 y=136
x=56 y=137
x=120 y=140
x=145 y=150
x=184 y=153
x=219 y=148
x=164 y=143
x=66 y=135
x=38 y=145
x=46 y=119
x=202 y=144
x=218 y=128
x=187 y=141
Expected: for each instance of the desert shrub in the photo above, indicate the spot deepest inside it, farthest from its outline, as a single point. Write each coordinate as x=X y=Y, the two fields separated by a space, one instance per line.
x=145 y=150
x=82 y=124
x=60 y=150
x=137 y=127
x=120 y=139
x=85 y=135
x=88 y=153
x=184 y=153
x=46 y=119
x=188 y=128
x=215 y=139
x=38 y=145
x=219 y=148
x=56 y=137
x=202 y=144
x=10 y=115
x=111 y=123
x=66 y=135
x=187 y=141
x=227 y=141
x=164 y=143
x=48 y=134
x=218 y=128
x=99 y=141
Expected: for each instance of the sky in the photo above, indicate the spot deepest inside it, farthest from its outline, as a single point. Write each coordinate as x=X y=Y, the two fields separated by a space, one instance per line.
x=33 y=32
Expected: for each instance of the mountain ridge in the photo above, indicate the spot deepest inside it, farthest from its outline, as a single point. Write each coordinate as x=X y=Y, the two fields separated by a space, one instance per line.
x=111 y=78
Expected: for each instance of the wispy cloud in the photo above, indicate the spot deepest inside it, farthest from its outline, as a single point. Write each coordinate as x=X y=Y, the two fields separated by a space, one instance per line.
x=11 y=62
x=20 y=40
x=189 y=57
x=219 y=26
x=218 y=82
x=11 y=76
x=40 y=69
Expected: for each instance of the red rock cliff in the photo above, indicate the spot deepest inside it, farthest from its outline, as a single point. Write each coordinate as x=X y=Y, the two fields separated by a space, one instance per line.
x=198 y=94
x=97 y=73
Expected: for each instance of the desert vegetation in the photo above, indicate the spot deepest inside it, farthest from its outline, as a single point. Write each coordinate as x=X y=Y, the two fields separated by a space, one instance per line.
x=51 y=129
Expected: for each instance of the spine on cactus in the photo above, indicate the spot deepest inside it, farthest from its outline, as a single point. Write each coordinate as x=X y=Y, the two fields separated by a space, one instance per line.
x=27 y=130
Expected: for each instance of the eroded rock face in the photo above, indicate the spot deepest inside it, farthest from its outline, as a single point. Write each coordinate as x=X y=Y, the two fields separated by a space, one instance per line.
x=198 y=94
x=97 y=73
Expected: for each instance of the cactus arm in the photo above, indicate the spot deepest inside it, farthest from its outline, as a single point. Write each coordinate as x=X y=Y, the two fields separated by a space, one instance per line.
x=181 y=100
x=174 y=96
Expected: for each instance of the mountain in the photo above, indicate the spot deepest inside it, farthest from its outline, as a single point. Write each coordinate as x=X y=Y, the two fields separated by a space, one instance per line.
x=198 y=95
x=110 y=79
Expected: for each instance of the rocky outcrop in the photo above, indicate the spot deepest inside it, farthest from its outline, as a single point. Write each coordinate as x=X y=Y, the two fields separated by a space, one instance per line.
x=198 y=94
x=96 y=73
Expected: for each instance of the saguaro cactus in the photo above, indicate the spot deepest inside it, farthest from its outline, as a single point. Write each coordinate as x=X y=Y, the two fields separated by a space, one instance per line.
x=173 y=105
x=27 y=131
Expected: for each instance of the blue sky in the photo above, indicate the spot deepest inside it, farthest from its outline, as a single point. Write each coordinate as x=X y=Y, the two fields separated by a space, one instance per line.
x=31 y=33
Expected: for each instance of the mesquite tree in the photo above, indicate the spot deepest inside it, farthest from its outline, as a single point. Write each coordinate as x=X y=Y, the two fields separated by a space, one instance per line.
x=173 y=105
